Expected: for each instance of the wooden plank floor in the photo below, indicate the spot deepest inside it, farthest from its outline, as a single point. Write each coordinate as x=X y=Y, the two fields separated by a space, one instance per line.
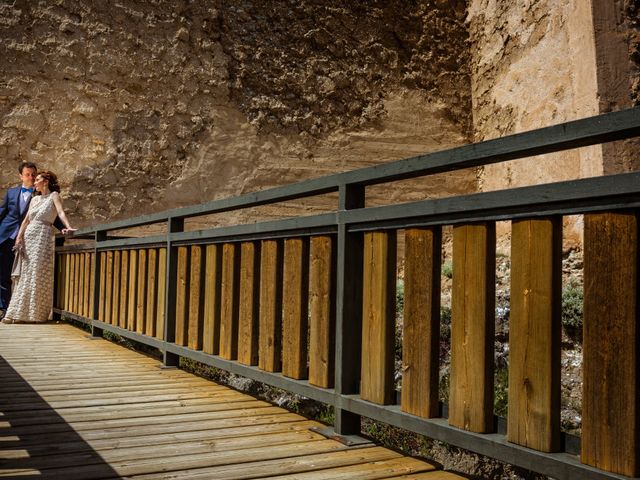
x=76 y=408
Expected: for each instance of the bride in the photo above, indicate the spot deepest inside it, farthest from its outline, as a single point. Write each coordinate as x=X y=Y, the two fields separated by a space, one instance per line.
x=32 y=298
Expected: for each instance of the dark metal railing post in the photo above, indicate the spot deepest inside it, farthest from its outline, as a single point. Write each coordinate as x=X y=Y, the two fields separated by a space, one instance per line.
x=100 y=236
x=348 y=311
x=173 y=225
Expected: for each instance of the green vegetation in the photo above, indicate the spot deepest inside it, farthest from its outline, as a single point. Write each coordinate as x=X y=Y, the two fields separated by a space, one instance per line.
x=443 y=388
x=572 y=301
x=445 y=324
x=501 y=392
x=447 y=270
x=399 y=297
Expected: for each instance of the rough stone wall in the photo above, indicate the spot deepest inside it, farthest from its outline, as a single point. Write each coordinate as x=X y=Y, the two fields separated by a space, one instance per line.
x=107 y=94
x=617 y=39
x=632 y=21
x=147 y=105
x=540 y=62
x=532 y=66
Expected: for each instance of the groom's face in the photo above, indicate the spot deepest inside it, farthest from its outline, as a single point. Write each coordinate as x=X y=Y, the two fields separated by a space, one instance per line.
x=28 y=176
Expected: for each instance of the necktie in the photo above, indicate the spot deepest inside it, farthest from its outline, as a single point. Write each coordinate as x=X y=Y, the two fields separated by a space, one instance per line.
x=25 y=194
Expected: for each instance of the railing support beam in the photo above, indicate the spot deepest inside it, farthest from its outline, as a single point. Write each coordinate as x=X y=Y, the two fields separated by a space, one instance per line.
x=171 y=359
x=348 y=311
x=96 y=332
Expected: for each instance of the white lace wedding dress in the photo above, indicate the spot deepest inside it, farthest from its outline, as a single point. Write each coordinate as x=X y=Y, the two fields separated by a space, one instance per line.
x=32 y=297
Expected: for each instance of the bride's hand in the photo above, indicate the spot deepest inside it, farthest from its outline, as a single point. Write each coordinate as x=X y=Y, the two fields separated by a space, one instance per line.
x=66 y=231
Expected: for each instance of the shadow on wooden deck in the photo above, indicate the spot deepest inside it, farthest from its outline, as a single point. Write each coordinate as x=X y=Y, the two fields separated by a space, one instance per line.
x=75 y=408
x=31 y=432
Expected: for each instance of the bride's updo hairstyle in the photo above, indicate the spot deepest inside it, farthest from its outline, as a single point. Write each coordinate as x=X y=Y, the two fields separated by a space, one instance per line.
x=51 y=178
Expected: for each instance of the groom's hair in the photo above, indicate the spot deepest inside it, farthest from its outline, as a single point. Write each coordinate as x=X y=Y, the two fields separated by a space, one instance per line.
x=24 y=165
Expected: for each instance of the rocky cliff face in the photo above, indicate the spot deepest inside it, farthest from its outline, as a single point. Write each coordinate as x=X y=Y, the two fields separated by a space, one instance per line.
x=147 y=105
x=543 y=62
x=538 y=63
x=530 y=69
x=632 y=21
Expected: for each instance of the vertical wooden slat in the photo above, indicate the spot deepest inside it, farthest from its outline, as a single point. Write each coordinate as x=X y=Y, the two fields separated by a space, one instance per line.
x=103 y=287
x=141 y=298
x=92 y=283
x=63 y=284
x=230 y=301
x=86 y=295
x=87 y=285
x=72 y=287
x=67 y=282
x=196 y=304
x=472 y=327
x=108 y=289
x=72 y=284
x=249 y=311
x=212 y=299
x=124 y=289
x=115 y=306
x=56 y=281
x=182 y=296
x=77 y=307
x=610 y=405
x=80 y=259
x=77 y=298
x=322 y=311
x=421 y=322
x=378 y=317
x=535 y=334
x=162 y=292
x=133 y=290
x=295 y=300
x=60 y=281
x=83 y=282
x=82 y=262
x=152 y=292
x=270 y=351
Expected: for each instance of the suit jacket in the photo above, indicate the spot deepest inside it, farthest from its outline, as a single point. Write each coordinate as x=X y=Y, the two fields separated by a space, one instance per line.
x=10 y=217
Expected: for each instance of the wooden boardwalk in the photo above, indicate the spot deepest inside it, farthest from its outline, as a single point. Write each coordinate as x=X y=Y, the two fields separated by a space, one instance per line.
x=76 y=408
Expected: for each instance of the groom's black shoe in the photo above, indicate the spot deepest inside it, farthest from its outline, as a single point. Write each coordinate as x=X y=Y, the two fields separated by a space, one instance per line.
x=2 y=312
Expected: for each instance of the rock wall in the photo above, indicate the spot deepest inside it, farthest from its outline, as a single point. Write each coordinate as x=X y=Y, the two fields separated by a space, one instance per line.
x=146 y=105
x=540 y=62
x=532 y=66
x=617 y=40
x=632 y=22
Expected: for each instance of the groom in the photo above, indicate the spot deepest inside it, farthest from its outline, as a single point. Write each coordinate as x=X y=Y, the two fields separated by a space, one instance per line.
x=12 y=211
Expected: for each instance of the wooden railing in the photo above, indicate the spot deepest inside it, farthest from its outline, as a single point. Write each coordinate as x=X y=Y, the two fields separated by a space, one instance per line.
x=308 y=304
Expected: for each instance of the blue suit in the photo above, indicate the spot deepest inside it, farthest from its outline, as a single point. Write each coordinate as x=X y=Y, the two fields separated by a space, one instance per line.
x=10 y=220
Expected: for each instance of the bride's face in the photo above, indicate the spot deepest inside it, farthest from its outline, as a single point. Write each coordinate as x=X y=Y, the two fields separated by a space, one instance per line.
x=40 y=183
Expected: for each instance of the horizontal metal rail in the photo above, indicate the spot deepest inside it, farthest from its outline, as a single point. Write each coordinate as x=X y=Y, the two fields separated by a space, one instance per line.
x=574 y=197
x=579 y=133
